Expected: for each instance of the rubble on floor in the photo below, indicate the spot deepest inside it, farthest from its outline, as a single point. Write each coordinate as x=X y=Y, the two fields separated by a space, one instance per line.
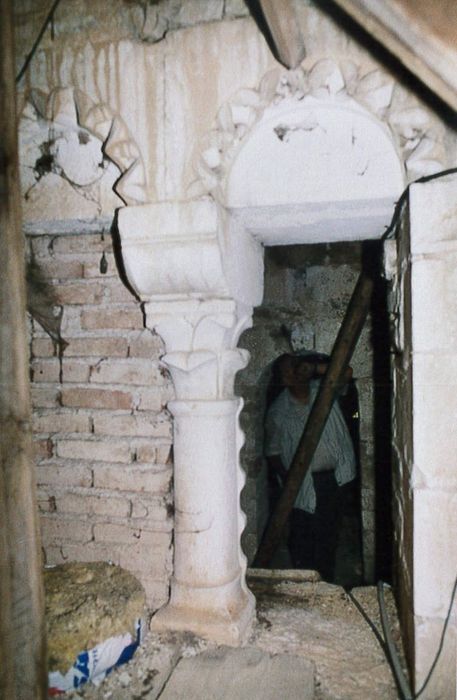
x=297 y=616
x=90 y=606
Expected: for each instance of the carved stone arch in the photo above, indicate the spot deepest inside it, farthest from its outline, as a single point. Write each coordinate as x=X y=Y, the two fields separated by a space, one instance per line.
x=197 y=265
x=328 y=83
x=73 y=110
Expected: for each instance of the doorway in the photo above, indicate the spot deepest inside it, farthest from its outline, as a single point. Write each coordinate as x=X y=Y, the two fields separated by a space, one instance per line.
x=307 y=289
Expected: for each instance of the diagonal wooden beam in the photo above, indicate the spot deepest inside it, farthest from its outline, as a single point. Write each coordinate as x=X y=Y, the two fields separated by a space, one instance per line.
x=420 y=33
x=341 y=354
x=285 y=31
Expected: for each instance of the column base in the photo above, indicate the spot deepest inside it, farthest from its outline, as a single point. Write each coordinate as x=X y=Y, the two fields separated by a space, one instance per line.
x=229 y=625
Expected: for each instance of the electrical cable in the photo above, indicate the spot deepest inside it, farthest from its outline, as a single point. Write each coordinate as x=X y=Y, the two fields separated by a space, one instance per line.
x=368 y=620
x=31 y=53
x=388 y=645
x=391 y=652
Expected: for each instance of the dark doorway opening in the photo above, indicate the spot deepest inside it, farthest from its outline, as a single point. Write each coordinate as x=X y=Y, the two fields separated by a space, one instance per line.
x=307 y=289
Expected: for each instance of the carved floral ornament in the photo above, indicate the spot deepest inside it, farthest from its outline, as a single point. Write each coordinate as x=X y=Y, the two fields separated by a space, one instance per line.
x=73 y=111
x=418 y=139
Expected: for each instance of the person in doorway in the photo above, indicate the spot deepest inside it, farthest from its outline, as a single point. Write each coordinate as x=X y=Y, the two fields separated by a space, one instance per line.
x=315 y=518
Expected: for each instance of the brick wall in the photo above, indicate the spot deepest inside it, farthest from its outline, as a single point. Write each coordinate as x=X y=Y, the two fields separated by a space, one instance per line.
x=102 y=435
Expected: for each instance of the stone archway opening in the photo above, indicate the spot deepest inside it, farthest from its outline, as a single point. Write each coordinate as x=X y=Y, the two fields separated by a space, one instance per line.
x=300 y=162
x=307 y=289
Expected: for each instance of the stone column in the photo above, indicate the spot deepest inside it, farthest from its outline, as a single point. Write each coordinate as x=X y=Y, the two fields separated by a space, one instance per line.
x=208 y=593
x=199 y=278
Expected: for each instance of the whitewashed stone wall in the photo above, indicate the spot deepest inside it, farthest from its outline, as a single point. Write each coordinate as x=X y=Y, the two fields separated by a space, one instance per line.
x=422 y=268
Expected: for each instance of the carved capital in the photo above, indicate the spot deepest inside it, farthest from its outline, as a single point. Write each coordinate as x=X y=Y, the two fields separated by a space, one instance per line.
x=200 y=339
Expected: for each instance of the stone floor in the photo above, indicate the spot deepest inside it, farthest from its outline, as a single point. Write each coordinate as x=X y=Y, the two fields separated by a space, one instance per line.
x=303 y=620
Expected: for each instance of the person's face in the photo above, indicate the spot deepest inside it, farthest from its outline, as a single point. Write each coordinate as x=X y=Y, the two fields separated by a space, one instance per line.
x=295 y=371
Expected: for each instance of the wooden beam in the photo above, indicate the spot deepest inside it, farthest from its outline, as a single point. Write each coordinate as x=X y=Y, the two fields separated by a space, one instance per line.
x=420 y=33
x=285 y=31
x=341 y=354
x=23 y=672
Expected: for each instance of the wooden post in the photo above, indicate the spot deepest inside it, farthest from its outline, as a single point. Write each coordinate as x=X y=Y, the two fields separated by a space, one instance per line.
x=282 y=22
x=23 y=670
x=341 y=354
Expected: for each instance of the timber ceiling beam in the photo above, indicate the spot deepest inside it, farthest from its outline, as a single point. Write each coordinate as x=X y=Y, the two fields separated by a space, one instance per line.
x=420 y=33
x=284 y=29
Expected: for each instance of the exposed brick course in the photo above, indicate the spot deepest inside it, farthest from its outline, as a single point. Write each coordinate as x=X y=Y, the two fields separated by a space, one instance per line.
x=97 y=347
x=142 y=478
x=125 y=317
x=102 y=438
x=85 y=397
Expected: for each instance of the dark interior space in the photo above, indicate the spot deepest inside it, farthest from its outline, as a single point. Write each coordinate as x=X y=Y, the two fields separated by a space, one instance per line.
x=307 y=289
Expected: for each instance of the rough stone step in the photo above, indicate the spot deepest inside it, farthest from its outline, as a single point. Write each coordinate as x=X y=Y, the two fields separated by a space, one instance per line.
x=237 y=674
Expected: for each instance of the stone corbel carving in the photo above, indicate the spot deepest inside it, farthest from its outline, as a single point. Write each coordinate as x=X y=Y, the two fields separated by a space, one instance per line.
x=72 y=147
x=183 y=261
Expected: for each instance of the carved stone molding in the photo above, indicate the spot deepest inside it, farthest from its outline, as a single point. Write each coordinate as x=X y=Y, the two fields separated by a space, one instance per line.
x=417 y=138
x=70 y=111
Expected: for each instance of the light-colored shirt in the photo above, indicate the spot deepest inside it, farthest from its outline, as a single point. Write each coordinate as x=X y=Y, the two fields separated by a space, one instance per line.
x=284 y=425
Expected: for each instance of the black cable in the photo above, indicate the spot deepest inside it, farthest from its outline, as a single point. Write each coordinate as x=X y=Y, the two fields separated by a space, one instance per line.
x=368 y=620
x=441 y=644
x=401 y=680
x=30 y=55
x=390 y=651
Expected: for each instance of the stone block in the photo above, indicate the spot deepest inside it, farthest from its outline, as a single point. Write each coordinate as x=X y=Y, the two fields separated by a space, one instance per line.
x=146 y=452
x=127 y=318
x=82 y=243
x=146 y=344
x=46 y=371
x=140 y=558
x=96 y=347
x=122 y=534
x=80 y=293
x=89 y=552
x=433 y=215
x=64 y=475
x=44 y=397
x=61 y=269
x=435 y=551
x=102 y=504
x=157 y=592
x=42 y=347
x=96 y=398
x=92 y=266
x=75 y=372
x=435 y=408
x=117 y=293
x=427 y=640
x=100 y=451
x=42 y=450
x=229 y=674
x=434 y=281
x=58 y=422
x=132 y=478
x=155 y=398
x=132 y=425
x=57 y=529
x=129 y=371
